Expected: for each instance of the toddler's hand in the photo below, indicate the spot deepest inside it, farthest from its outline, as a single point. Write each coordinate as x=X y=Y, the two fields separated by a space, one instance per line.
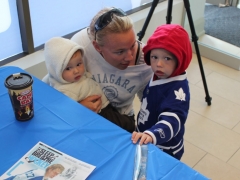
x=144 y=138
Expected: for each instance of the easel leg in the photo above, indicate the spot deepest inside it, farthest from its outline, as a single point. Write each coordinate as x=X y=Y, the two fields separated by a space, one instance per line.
x=142 y=32
x=194 y=39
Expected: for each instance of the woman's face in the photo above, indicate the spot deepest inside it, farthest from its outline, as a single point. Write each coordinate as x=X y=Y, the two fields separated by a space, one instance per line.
x=119 y=49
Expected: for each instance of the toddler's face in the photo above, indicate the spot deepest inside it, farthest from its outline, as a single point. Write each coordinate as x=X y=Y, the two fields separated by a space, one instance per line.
x=75 y=68
x=163 y=63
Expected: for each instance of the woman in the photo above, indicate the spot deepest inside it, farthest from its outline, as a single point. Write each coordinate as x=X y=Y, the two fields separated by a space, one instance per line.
x=114 y=58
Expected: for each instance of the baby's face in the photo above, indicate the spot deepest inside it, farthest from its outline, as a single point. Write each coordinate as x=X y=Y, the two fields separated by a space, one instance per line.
x=75 y=68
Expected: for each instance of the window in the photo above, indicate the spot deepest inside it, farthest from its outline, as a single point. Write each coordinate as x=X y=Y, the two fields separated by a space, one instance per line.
x=46 y=20
x=10 y=37
x=60 y=17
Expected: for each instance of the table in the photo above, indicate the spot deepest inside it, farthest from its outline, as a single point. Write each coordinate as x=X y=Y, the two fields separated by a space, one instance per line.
x=75 y=130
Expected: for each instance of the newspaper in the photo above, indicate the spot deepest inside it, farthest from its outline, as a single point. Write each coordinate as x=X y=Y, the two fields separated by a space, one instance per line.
x=44 y=162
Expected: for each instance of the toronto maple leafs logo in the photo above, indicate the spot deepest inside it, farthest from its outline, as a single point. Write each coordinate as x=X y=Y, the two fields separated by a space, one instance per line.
x=180 y=95
x=143 y=113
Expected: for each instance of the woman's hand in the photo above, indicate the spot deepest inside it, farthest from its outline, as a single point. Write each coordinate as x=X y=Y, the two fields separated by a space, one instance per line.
x=144 y=138
x=93 y=102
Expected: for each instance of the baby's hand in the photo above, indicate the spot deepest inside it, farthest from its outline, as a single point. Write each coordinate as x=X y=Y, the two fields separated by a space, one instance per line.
x=144 y=138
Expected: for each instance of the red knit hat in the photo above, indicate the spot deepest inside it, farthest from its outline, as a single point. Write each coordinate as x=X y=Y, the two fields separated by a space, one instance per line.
x=173 y=38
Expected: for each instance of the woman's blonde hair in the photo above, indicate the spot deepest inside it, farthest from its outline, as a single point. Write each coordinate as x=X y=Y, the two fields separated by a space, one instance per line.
x=117 y=25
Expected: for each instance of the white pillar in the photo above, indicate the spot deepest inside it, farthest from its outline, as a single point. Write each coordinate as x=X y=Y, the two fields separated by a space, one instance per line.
x=238 y=5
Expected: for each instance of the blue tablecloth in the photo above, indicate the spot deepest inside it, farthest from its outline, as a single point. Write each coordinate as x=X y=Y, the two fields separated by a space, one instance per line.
x=73 y=129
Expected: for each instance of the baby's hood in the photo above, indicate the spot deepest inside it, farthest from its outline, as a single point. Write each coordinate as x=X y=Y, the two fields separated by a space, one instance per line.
x=58 y=52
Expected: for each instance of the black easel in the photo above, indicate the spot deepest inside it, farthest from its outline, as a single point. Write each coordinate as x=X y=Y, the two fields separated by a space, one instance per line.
x=194 y=36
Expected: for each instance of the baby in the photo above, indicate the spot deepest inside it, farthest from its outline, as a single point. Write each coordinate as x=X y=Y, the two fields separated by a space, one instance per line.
x=67 y=74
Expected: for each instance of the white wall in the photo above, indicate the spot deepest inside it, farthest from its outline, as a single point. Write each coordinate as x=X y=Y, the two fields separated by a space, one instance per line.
x=35 y=65
x=197 y=12
x=158 y=18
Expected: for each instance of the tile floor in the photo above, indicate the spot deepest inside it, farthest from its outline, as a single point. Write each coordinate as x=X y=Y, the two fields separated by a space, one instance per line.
x=212 y=138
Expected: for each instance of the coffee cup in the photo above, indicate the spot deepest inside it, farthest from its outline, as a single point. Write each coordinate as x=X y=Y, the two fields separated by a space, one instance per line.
x=20 y=91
